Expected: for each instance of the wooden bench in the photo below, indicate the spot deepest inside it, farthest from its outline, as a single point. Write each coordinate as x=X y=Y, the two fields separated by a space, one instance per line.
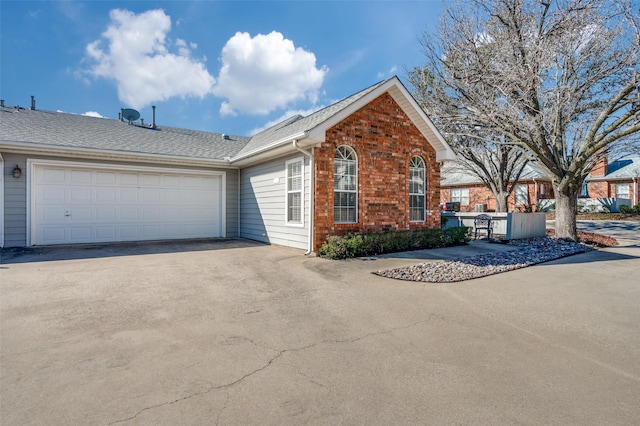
x=483 y=222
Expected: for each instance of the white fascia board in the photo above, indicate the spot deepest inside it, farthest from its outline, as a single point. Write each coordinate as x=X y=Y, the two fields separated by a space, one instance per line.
x=408 y=104
x=59 y=151
x=273 y=149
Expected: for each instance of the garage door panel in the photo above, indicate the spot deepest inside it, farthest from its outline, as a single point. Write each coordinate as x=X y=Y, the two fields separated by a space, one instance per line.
x=106 y=178
x=129 y=195
x=51 y=176
x=80 y=194
x=129 y=179
x=80 y=234
x=80 y=177
x=79 y=214
x=52 y=215
x=100 y=205
x=105 y=214
x=53 y=193
x=106 y=195
x=106 y=233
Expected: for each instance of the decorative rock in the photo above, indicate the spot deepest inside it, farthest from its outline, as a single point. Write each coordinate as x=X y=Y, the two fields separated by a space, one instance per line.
x=529 y=252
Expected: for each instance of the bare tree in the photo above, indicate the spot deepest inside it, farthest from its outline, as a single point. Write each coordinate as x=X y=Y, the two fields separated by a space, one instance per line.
x=480 y=152
x=559 y=79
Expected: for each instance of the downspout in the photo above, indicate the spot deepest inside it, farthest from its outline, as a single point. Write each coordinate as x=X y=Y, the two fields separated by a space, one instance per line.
x=311 y=194
x=635 y=191
x=535 y=187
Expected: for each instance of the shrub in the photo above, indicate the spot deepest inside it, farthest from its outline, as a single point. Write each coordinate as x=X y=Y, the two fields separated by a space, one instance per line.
x=636 y=209
x=354 y=245
x=625 y=209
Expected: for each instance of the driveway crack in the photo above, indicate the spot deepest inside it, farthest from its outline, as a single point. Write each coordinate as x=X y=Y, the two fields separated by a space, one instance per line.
x=278 y=354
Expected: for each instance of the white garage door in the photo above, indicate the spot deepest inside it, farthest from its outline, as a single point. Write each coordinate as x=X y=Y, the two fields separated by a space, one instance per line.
x=78 y=204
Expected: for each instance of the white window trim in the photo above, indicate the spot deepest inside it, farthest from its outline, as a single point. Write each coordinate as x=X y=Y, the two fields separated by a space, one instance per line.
x=286 y=193
x=626 y=185
x=460 y=196
x=355 y=154
x=424 y=189
x=524 y=193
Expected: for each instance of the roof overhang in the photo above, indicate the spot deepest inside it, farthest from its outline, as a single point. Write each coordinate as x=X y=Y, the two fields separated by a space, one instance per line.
x=410 y=107
x=97 y=154
x=273 y=150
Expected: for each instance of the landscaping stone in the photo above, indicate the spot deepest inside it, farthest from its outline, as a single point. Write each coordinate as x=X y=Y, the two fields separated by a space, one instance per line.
x=527 y=252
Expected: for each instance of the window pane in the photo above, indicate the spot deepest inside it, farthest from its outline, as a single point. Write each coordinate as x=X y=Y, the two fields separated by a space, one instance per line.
x=295 y=207
x=622 y=190
x=521 y=194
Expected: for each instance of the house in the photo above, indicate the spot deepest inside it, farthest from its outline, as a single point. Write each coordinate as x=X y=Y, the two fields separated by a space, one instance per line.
x=618 y=179
x=456 y=185
x=368 y=163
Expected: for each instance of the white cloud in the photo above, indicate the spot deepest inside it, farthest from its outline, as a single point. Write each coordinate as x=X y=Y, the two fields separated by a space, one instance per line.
x=392 y=71
x=93 y=114
x=263 y=73
x=138 y=59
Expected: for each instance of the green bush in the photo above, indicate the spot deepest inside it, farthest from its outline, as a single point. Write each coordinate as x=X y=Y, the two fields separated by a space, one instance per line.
x=625 y=209
x=636 y=209
x=355 y=245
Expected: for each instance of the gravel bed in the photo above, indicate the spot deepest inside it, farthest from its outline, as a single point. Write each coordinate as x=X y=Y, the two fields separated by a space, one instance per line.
x=526 y=253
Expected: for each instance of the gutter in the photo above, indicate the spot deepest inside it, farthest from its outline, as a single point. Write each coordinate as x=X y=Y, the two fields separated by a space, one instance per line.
x=311 y=193
x=301 y=135
x=77 y=152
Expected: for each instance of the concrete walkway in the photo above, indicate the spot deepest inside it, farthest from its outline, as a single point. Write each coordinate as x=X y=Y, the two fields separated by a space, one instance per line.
x=235 y=332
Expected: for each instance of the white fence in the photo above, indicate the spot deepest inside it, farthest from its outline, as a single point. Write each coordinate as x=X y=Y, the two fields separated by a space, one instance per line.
x=512 y=226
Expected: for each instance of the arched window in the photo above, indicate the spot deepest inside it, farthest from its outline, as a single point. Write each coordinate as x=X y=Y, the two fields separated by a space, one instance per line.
x=345 y=185
x=416 y=189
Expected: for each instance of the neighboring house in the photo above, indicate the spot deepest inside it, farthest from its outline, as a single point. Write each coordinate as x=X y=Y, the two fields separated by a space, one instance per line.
x=617 y=179
x=368 y=163
x=465 y=188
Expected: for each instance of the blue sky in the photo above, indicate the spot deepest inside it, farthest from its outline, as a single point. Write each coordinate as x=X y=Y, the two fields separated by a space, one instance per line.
x=220 y=66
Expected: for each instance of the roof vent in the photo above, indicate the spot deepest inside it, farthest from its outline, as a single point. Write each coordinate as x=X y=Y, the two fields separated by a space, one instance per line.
x=225 y=137
x=33 y=103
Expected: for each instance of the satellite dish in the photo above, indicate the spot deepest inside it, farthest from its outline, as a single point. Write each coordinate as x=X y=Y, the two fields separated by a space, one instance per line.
x=130 y=114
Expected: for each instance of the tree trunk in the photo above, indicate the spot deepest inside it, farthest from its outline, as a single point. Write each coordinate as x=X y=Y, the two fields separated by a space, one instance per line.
x=501 y=202
x=566 y=210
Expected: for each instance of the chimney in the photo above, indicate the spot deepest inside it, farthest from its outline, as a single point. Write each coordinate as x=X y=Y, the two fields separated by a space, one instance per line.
x=153 y=124
x=33 y=103
x=601 y=167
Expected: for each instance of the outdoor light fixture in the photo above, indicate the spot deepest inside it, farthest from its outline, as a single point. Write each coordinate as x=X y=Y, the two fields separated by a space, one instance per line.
x=17 y=172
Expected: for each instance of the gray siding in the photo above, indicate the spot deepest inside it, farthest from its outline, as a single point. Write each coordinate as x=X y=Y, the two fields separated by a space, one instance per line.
x=263 y=204
x=15 y=201
x=232 y=213
x=15 y=194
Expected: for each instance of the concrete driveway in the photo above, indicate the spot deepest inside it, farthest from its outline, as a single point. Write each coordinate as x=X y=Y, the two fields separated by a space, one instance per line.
x=233 y=332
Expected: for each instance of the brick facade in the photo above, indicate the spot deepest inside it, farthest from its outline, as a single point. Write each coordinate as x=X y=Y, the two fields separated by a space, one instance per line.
x=480 y=194
x=385 y=140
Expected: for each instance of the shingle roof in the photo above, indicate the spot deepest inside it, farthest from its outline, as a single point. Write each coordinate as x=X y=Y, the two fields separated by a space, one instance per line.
x=624 y=168
x=37 y=128
x=451 y=174
x=64 y=130
x=298 y=124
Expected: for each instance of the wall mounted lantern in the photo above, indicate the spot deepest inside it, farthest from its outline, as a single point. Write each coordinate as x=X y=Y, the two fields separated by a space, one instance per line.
x=17 y=172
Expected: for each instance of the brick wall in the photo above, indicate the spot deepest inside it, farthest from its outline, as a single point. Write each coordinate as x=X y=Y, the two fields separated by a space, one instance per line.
x=384 y=140
x=480 y=194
